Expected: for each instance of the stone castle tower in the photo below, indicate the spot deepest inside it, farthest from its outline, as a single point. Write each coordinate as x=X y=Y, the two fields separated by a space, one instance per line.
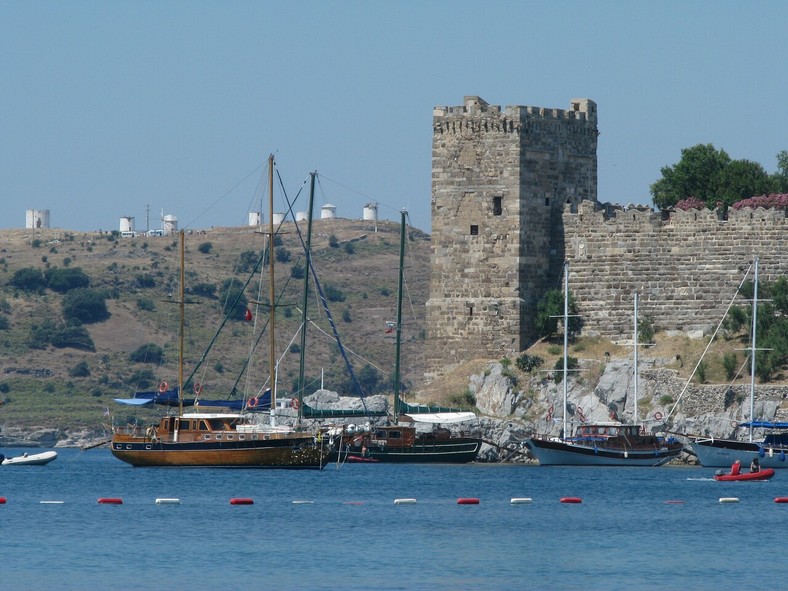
x=501 y=180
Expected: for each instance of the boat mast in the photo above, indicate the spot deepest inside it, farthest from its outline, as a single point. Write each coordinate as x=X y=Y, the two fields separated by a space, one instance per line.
x=399 y=316
x=635 y=357
x=305 y=300
x=182 y=310
x=566 y=343
x=752 y=347
x=271 y=292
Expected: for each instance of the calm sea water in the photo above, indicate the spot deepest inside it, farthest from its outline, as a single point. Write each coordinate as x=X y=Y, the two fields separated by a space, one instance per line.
x=353 y=537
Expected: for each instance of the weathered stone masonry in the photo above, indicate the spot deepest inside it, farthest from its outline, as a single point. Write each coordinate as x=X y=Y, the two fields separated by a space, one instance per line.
x=514 y=194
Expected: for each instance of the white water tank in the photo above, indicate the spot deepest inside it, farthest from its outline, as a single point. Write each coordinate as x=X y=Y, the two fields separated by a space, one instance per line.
x=37 y=218
x=126 y=224
x=170 y=223
x=255 y=219
x=370 y=212
x=328 y=212
x=301 y=216
x=278 y=218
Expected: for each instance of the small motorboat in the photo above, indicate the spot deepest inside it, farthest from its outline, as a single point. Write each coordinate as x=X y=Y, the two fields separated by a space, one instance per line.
x=27 y=459
x=764 y=474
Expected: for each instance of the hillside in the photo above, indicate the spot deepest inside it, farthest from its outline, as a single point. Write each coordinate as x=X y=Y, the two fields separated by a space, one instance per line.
x=355 y=261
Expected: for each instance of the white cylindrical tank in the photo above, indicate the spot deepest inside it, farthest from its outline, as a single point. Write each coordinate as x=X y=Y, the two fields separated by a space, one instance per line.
x=278 y=218
x=255 y=218
x=370 y=212
x=37 y=218
x=127 y=223
x=328 y=212
x=300 y=216
x=170 y=224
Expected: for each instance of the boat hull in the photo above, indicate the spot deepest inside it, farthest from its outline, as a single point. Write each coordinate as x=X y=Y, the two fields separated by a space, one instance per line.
x=722 y=453
x=458 y=450
x=764 y=474
x=31 y=460
x=286 y=452
x=560 y=453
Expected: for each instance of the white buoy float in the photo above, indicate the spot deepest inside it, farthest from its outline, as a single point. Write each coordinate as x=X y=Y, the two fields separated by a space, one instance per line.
x=404 y=501
x=521 y=500
x=729 y=499
x=168 y=501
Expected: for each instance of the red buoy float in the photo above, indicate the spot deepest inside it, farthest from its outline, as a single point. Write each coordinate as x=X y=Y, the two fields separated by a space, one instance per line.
x=241 y=501
x=776 y=500
x=468 y=501
x=571 y=500
x=110 y=501
x=2 y=500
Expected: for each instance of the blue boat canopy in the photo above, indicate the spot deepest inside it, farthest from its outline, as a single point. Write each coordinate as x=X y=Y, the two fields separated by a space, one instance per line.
x=764 y=425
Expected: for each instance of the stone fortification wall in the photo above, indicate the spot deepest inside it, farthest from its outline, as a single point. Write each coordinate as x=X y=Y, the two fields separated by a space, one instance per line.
x=686 y=265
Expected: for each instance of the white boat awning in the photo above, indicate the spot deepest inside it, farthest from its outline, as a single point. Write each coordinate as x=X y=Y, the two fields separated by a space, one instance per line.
x=134 y=401
x=439 y=417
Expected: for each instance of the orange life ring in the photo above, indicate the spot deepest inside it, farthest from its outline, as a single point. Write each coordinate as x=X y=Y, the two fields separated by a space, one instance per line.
x=658 y=416
x=252 y=402
x=198 y=388
x=163 y=387
x=294 y=403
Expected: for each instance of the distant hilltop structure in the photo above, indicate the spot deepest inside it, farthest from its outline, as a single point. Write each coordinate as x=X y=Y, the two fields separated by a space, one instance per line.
x=36 y=218
x=514 y=195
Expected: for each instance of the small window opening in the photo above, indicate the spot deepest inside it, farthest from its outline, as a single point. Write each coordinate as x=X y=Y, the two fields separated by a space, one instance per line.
x=474 y=230
x=547 y=202
x=497 y=208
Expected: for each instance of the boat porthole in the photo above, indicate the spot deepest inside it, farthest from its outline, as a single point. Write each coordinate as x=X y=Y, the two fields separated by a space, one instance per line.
x=229 y=437
x=128 y=446
x=148 y=446
x=206 y=437
x=241 y=437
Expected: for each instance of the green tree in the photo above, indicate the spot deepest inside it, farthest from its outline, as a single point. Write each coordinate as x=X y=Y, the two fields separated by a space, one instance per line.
x=80 y=370
x=741 y=179
x=205 y=247
x=780 y=178
x=548 y=311
x=697 y=174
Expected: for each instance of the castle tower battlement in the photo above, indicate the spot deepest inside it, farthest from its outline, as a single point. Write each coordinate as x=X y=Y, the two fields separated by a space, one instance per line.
x=500 y=180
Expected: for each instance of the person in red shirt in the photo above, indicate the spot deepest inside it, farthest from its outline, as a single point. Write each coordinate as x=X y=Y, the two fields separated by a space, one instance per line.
x=736 y=468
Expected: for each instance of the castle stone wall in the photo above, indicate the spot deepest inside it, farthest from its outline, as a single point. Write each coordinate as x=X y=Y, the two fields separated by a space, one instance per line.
x=686 y=265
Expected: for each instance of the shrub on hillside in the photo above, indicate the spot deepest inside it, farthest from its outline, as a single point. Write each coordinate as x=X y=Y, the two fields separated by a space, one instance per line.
x=80 y=370
x=28 y=279
x=85 y=305
x=63 y=280
x=150 y=353
x=205 y=247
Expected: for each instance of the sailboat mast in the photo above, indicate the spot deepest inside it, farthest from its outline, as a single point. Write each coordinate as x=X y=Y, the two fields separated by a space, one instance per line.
x=566 y=342
x=182 y=310
x=752 y=346
x=305 y=299
x=635 y=356
x=399 y=316
x=271 y=292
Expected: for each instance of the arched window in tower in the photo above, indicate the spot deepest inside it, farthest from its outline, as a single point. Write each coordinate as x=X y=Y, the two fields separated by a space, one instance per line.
x=497 y=205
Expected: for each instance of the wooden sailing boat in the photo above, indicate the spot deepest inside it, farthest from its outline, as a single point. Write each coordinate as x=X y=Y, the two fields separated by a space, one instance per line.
x=772 y=450
x=229 y=439
x=404 y=443
x=602 y=444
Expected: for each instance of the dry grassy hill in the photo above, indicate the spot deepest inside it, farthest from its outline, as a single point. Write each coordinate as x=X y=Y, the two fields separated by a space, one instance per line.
x=355 y=260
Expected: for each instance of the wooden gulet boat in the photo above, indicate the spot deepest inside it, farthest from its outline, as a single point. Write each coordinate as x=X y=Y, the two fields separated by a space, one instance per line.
x=602 y=444
x=230 y=439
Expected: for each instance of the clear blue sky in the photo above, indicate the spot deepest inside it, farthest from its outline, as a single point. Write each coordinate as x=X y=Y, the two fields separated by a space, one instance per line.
x=109 y=106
